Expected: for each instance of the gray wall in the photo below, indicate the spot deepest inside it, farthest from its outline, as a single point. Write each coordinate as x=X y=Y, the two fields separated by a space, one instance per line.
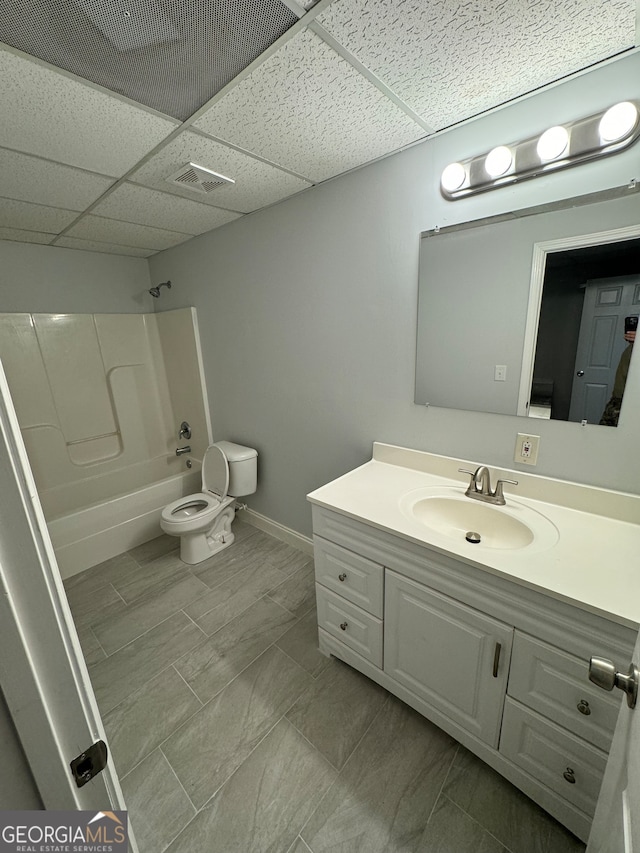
x=48 y=279
x=17 y=787
x=307 y=313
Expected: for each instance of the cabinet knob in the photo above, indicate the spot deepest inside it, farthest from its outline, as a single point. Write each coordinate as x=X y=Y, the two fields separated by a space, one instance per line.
x=583 y=707
x=570 y=775
x=342 y=577
x=344 y=626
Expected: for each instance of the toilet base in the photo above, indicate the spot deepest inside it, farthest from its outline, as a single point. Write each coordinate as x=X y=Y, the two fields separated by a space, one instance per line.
x=196 y=547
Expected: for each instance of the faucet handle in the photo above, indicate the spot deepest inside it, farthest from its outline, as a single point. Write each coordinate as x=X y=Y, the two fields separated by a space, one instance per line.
x=472 y=474
x=498 y=492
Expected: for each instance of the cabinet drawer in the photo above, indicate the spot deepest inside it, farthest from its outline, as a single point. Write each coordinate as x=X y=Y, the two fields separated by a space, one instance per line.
x=350 y=624
x=548 y=752
x=353 y=577
x=557 y=685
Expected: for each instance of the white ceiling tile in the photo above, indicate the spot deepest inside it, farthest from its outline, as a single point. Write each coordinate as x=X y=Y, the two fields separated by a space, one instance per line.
x=34 y=217
x=53 y=116
x=134 y=203
x=256 y=184
x=31 y=179
x=103 y=230
x=308 y=109
x=449 y=60
x=21 y=236
x=107 y=248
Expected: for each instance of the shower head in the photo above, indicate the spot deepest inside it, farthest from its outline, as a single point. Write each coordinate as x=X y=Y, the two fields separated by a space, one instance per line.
x=155 y=291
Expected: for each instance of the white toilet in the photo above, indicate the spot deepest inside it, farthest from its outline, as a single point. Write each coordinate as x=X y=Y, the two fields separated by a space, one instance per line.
x=203 y=521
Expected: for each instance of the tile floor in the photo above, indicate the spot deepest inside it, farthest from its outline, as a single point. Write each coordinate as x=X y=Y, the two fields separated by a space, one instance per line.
x=233 y=734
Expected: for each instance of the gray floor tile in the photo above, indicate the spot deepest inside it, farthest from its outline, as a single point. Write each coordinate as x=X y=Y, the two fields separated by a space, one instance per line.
x=384 y=795
x=503 y=810
x=450 y=829
x=148 y=610
x=212 y=665
x=336 y=710
x=103 y=574
x=147 y=717
x=301 y=643
x=152 y=576
x=88 y=605
x=264 y=804
x=92 y=651
x=124 y=672
x=258 y=550
x=248 y=553
x=220 y=605
x=154 y=548
x=158 y=807
x=298 y=592
x=207 y=749
x=299 y=846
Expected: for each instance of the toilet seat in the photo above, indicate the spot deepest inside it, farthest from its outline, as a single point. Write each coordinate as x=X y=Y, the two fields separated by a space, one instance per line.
x=197 y=511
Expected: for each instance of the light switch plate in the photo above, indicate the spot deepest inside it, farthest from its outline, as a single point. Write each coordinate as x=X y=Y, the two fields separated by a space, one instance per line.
x=527 y=449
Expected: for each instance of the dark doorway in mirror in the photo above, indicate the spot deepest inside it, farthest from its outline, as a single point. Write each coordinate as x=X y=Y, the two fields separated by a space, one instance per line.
x=586 y=295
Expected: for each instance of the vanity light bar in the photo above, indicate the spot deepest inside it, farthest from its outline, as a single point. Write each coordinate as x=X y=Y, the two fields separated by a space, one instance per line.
x=557 y=148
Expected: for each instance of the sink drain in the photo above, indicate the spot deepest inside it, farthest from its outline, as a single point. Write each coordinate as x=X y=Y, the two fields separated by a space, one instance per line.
x=473 y=537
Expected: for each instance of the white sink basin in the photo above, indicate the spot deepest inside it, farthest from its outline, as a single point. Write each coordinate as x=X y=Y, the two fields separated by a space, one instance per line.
x=448 y=513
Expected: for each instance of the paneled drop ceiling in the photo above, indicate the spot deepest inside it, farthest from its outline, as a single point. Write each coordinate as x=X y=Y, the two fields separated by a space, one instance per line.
x=102 y=100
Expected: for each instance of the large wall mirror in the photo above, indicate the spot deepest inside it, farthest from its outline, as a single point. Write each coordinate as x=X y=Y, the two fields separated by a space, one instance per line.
x=524 y=313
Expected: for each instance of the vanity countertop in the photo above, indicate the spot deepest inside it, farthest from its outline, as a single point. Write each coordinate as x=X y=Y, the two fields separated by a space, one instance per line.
x=594 y=564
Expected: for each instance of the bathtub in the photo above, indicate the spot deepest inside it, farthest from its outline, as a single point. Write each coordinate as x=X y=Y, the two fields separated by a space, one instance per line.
x=99 y=517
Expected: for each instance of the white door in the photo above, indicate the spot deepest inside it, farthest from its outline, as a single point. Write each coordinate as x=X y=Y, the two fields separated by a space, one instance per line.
x=601 y=343
x=42 y=671
x=616 y=824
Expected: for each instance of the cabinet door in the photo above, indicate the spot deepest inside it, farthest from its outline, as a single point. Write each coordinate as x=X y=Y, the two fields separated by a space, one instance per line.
x=450 y=655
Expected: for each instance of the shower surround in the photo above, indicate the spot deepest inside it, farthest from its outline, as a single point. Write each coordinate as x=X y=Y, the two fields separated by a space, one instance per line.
x=99 y=399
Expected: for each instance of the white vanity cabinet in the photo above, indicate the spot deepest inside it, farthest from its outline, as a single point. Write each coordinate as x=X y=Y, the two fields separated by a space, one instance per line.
x=498 y=665
x=450 y=655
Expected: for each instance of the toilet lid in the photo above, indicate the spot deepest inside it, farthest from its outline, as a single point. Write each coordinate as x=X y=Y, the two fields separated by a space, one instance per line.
x=215 y=472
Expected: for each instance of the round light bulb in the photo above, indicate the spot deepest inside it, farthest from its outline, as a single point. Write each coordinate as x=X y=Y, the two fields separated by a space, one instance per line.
x=498 y=162
x=618 y=121
x=553 y=143
x=453 y=177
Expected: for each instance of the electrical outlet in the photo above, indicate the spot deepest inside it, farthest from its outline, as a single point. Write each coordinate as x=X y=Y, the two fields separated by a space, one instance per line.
x=500 y=373
x=527 y=449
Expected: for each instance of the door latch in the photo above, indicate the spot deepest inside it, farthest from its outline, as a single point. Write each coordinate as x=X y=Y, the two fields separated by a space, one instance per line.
x=603 y=673
x=89 y=763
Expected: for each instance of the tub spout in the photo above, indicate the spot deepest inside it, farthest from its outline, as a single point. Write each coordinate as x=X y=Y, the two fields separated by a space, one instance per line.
x=180 y=451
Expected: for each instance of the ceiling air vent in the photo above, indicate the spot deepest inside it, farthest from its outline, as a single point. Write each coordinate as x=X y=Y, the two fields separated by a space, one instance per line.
x=198 y=179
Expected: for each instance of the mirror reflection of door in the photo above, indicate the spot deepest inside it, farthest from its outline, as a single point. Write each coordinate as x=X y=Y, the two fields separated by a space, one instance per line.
x=601 y=344
x=579 y=331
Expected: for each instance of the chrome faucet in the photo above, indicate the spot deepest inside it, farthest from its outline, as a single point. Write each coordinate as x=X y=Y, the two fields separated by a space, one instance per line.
x=182 y=450
x=480 y=486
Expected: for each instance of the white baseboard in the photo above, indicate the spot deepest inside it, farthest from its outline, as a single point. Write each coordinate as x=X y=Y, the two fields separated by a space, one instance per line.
x=274 y=528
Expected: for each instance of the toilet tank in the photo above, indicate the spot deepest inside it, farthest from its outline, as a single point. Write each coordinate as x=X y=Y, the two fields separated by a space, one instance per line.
x=243 y=468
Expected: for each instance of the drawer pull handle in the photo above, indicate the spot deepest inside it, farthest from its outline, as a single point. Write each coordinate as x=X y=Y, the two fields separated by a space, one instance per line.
x=344 y=626
x=583 y=707
x=496 y=659
x=570 y=775
x=342 y=577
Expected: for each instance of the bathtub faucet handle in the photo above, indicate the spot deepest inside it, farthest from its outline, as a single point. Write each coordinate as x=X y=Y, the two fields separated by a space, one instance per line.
x=180 y=451
x=185 y=431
